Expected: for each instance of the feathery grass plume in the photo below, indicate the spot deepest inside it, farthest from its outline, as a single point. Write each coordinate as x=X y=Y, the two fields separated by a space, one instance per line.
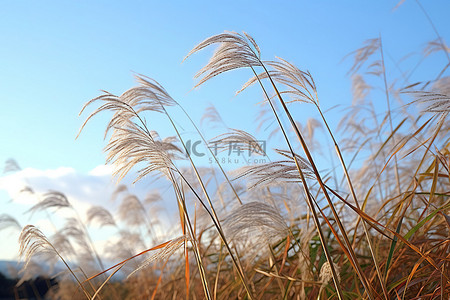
x=255 y=220
x=326 y=274
x=152 y=197
x=32 y=241
x=239 y=139
x=437 y=103
x=27 y=189
x=300 y=84
x=100 y=215
x=163 y=253
x=234 y=51
x=73 y=229
x=131 y=143
x=52 y=199
x=360 y=89
x=61 y=241
x=212 y=117
x=7 y=221
x=435 y=46
x=300 y=173
x=275 y=172
x=363 y=54
x=304 y=264
x=11 y=165
x=442 y=85
x=121 y=188
x=132 y=211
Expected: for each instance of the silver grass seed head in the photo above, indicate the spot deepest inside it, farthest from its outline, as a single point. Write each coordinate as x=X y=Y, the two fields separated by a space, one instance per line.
x=7 y=221
x=278 y=172
x=100 y=215
x=130 y=142
x=11 y=165
x=31 y=242
x=326 y=274
x=253 y=220
x=239 y=138
x=51 y=199
x=234 y=51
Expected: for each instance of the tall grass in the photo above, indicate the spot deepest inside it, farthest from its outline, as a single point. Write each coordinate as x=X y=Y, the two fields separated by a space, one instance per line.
x=376 y=227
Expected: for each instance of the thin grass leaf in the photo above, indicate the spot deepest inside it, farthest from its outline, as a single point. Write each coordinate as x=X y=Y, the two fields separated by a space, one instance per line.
x=163 y=253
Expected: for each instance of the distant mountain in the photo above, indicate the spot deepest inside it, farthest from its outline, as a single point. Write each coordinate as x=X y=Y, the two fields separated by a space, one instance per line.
x=9 y=268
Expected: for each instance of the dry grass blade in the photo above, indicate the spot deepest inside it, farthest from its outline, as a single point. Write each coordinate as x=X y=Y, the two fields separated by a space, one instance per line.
x=173 y=246
x=163 y=253
x=235 y=51
x=360 y=88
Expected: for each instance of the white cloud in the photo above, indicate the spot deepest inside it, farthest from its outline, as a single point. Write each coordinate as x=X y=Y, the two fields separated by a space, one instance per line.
x=81 y=189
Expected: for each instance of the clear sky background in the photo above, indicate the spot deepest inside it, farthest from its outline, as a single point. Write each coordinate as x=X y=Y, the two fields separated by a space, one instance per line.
x=56 y=55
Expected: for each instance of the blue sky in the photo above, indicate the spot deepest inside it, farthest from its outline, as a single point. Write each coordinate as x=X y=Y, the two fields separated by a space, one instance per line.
x=56 y=55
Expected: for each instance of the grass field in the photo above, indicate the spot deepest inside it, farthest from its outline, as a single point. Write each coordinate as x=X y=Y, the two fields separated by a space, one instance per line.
x=370 y=223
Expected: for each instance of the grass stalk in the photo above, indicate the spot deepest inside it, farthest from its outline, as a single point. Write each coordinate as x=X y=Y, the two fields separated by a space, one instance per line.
x=213 y=216
x=388 y=103
x=353 y=193
x=310 y=201
x=319 y=179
